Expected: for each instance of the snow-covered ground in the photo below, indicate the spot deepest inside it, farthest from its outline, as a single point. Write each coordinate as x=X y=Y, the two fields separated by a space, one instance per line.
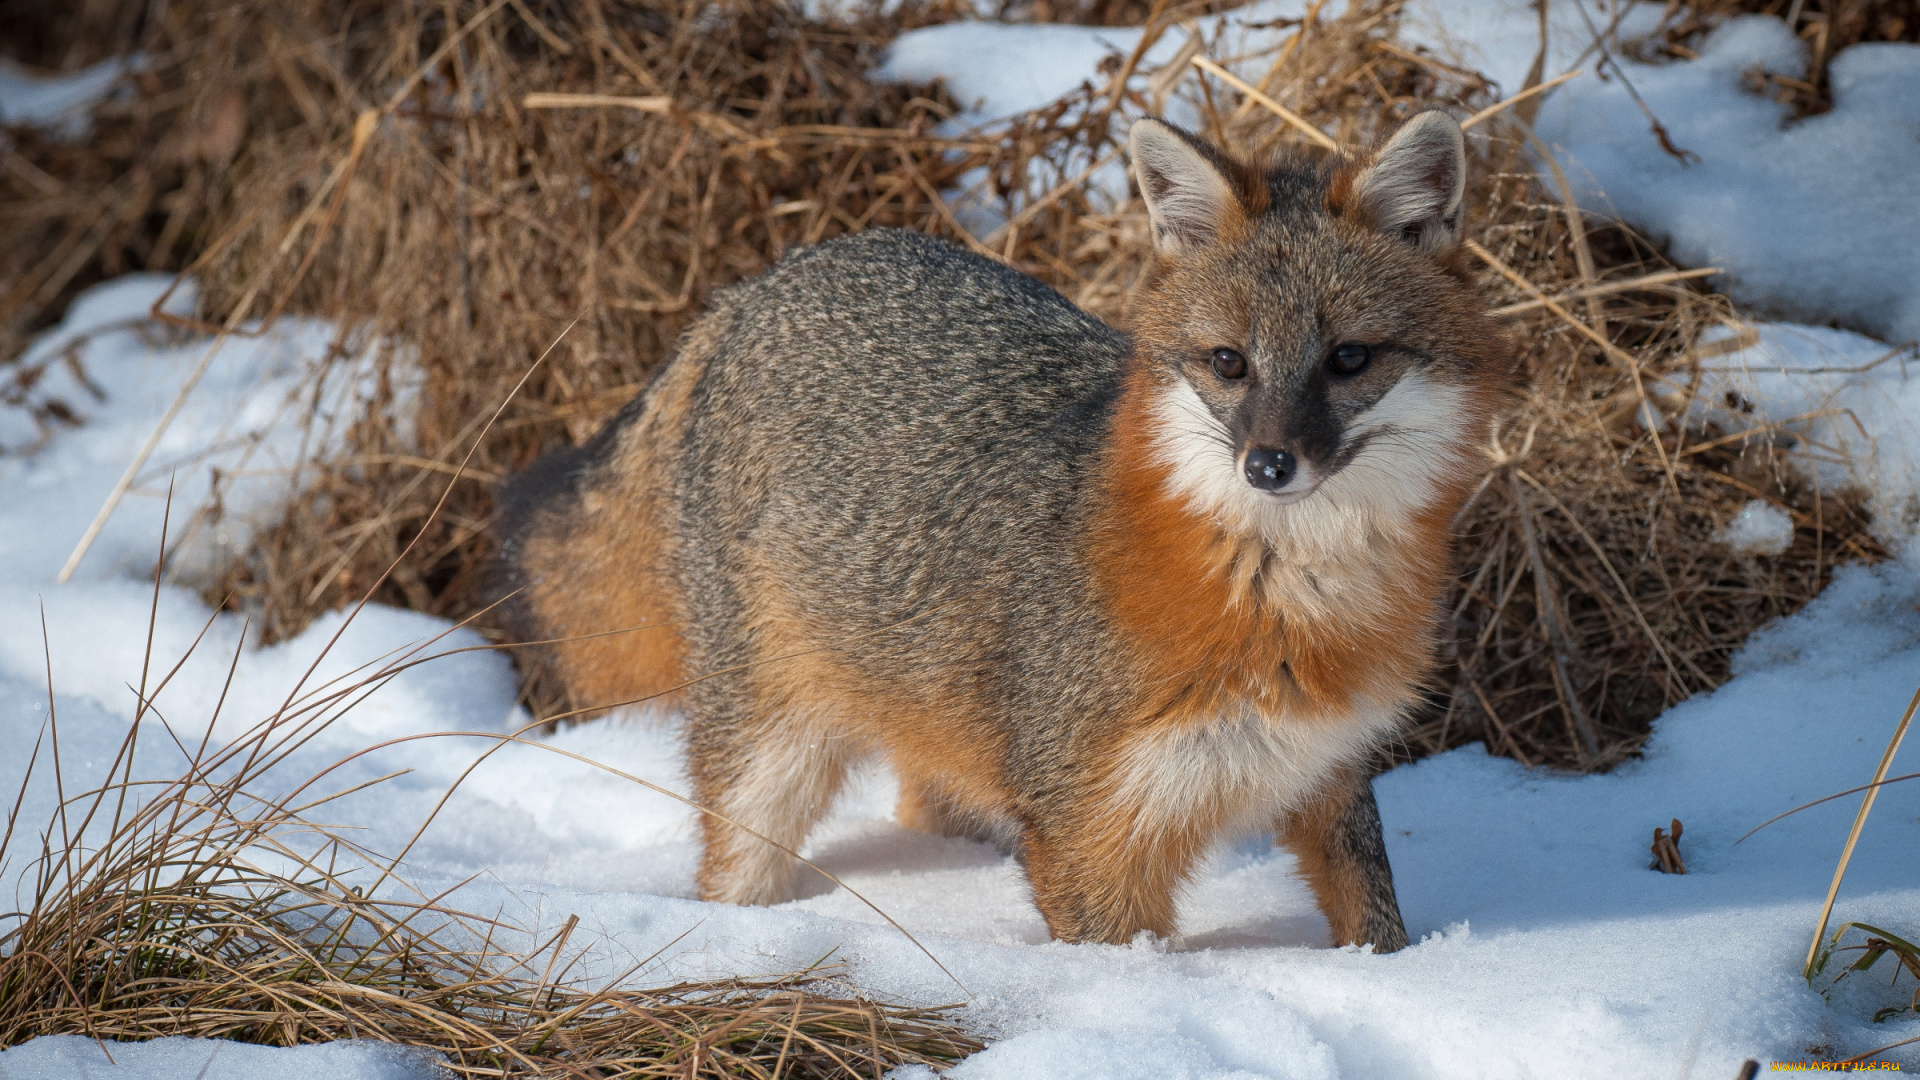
x=1545 y=946
x=1815 y=220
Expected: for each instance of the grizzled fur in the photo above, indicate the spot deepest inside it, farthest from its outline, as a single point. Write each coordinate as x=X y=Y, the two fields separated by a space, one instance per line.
x=895 y=498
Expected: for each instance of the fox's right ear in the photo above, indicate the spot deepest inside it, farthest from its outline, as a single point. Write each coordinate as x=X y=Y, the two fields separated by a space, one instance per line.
x=1189 y=199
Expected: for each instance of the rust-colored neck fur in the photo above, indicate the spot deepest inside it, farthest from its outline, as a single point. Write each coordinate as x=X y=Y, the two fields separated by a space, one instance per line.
x=1211 y=614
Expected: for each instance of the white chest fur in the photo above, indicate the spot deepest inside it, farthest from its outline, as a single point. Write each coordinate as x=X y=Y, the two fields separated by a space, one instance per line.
x=1241 y=771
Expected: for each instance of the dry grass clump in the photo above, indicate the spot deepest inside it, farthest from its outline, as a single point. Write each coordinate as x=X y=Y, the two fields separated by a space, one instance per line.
x=198 y=907
x=471 y=228
x=229 y=952
x=463 y=229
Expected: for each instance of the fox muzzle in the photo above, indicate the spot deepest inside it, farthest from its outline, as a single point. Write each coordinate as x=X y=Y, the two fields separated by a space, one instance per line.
x=1269 y=469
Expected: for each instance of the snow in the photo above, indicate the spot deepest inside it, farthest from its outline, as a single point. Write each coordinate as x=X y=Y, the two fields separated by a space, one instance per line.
x=996 y=70
x=1545 y=945
x=1847 y=404
x=72 y=1057
x=1812 y=220
x=1760 y=528
x=114 y=371
x=58 y=102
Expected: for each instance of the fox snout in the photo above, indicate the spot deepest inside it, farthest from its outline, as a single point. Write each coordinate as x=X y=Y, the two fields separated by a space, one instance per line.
x=1269 y=469
x=1286 y=470
x=1287 y=431
x=1287 y=436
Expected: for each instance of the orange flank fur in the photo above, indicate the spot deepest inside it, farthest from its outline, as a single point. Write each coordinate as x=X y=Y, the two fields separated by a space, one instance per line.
x=945 y=749
x=601 y=580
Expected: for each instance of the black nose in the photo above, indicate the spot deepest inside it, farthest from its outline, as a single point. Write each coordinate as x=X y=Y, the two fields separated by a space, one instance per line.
x=1269 y=470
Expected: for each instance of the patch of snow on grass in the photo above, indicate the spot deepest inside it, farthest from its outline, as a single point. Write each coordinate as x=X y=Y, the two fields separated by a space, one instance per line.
x=1849 y=406
x=60 y=103
x=1812 y=219
x=113 y=371
x=1760 y=528
x=995 y=70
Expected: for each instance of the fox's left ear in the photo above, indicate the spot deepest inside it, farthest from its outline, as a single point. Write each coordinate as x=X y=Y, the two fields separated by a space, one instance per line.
x=1413 y=187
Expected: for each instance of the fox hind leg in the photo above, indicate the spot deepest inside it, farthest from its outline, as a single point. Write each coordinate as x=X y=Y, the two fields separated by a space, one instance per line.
x=928 y=806
x=777 y=779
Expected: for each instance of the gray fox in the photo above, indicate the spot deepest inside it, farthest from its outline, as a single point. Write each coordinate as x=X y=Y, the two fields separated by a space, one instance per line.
x=1114 y=594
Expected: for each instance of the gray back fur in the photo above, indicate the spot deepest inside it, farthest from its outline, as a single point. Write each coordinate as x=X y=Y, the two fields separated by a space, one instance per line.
x=914 y=426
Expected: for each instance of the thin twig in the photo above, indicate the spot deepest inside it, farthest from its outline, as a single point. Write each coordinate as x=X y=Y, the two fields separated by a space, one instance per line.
x=1292 y=118
x=1608 y=288
x=1505 y=103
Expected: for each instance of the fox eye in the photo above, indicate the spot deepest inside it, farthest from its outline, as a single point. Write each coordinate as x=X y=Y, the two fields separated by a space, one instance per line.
x=1349 y=357
x=1229 y=364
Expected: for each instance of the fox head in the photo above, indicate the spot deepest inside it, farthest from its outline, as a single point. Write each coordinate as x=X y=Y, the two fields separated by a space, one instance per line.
x=1321 y=361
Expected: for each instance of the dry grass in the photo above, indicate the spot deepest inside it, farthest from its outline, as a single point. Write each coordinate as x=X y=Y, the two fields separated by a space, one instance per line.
x=200 y=907
x=467 y=229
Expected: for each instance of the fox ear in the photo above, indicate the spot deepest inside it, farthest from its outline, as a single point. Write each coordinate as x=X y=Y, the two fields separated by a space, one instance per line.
x=1415 y=183
x=1188 y=197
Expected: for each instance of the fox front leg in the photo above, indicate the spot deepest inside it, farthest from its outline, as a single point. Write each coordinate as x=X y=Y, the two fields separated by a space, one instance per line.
x=1102 y=879
x=1336 y=838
